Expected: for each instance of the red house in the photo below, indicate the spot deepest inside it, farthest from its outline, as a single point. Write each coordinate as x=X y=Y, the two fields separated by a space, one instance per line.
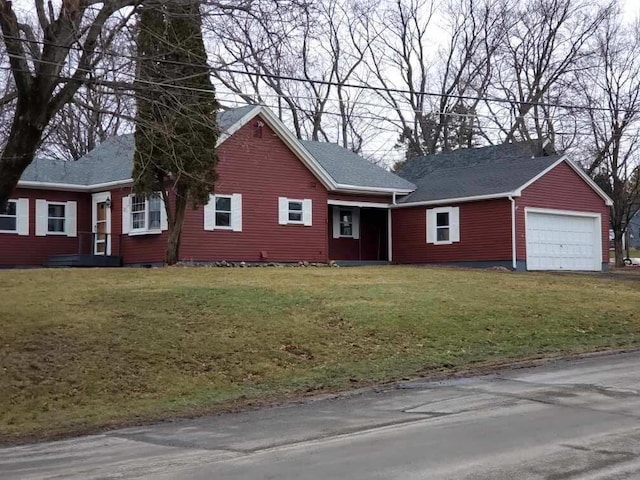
x=279 y=199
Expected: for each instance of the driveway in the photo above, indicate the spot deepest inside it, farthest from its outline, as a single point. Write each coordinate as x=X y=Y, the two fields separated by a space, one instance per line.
x=565 y=420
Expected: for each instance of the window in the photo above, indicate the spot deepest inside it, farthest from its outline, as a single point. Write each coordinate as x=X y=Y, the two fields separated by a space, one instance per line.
x=9 y=217
x=294 y=211
x=52 y=218
x=146 y=213
x=443 y=225
x=346 y=223
x=223 y=212
x=56 y=218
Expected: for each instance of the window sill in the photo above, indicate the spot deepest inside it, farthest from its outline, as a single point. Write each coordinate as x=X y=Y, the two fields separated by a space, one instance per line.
x=56 y=234
x=15 y=232
x=443 y=243
x=144 y=232
x=228 y=229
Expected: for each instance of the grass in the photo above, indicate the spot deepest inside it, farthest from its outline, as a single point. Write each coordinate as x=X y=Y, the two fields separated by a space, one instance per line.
x=85 y=349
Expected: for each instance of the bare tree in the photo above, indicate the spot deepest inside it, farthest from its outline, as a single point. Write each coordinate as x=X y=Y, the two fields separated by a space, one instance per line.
x=549 y=40
x=44 y=78
x=437 y=106
x=611 y=93
x=301 y=60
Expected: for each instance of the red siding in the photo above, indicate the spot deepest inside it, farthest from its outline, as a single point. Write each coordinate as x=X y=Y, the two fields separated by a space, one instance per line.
x=32 y=250
x=485 y=234
x=134 y=249
x=563 y=189
x=261 y=169
x=373 y=241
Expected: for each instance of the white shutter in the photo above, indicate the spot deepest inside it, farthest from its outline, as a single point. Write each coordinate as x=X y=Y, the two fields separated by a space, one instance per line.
x=70 y=219
x=126 y=214
x=431 y=226
x=210 y=213
x=236 y=212
x=283 y=210
x=164 y=224
x=454 y=224
x=306 y=212
x=355 y=215
x=336 y=222
x=22 y=216
x=42 y=217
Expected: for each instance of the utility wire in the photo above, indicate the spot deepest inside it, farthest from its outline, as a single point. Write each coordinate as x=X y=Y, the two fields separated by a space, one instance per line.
x=329 y=83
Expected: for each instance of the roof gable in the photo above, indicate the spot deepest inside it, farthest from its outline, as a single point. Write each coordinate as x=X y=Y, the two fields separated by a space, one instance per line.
x=112 y=161
x=486 y=172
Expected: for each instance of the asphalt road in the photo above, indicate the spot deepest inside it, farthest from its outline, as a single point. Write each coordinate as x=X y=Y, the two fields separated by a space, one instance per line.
x=566 y=420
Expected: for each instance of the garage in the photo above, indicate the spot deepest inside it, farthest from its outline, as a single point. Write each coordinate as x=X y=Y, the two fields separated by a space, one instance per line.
x=559 y=240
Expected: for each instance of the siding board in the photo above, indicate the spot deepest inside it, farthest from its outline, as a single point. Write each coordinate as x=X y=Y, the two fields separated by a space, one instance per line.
x=485 y=234
x=34 y=251
x=562 y=189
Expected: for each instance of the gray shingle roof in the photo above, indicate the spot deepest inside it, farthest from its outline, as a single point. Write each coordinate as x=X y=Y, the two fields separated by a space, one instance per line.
x=348 y=168
x=474 y=172
x=112 y=161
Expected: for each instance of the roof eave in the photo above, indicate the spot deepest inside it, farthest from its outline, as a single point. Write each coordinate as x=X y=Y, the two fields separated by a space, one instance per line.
x=473 y=198
x=71 y=187
x=359 y=189
x=581 y=173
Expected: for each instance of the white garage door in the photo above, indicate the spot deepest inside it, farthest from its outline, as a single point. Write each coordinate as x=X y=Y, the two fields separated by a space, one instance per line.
x=562 y=241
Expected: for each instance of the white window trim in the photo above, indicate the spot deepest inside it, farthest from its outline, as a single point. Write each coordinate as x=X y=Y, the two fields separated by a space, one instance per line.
x=355 y=222
x=209 y=213
x=64 y=230
x=295 y=222
x=146 y=230
x=453 y=226
x=306 y=212
x=230 y=212
x=15 y=232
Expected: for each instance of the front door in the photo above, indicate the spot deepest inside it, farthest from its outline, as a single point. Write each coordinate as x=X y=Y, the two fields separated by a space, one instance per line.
x=101 y=223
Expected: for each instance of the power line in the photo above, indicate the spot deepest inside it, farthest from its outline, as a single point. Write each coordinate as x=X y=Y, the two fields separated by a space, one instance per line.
x=329 y=83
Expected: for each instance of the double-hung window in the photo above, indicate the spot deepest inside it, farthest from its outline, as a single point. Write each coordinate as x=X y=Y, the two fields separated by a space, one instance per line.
x=9 y=217
x=292 y=211
x=223 y=212
x=222 y=217
x=146 y=213
x=56 y=218
x=346 y=222
x=443 y=225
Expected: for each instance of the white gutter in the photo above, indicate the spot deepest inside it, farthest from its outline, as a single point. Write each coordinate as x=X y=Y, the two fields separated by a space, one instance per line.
x=514 y=254
x=457 y=200
x=72 y=187
x=373 y=190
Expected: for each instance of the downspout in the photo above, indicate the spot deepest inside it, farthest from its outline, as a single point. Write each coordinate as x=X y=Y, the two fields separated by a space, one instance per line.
x=389 y=226
x=514 y=259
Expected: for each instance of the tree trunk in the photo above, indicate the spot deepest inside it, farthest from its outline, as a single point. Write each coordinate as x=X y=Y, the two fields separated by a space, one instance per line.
x=617 y=245
x=24 y=140
x=175 y=227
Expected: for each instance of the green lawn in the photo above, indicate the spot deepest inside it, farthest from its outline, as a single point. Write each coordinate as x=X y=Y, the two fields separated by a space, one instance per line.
x=82 y=349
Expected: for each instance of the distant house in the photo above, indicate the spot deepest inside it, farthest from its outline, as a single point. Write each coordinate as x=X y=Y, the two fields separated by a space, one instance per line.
x=279 y=199
x=634 y=231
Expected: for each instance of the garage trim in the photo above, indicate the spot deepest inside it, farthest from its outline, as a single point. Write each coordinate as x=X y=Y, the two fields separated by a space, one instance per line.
x=597 y=217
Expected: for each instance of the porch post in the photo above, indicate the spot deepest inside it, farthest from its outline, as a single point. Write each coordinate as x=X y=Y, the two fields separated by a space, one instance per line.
x=389 y=236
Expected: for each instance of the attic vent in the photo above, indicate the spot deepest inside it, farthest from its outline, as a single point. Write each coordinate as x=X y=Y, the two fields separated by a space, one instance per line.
x=257 y=129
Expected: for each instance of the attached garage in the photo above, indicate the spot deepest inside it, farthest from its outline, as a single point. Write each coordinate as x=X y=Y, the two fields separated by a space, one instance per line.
x=562 y=240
